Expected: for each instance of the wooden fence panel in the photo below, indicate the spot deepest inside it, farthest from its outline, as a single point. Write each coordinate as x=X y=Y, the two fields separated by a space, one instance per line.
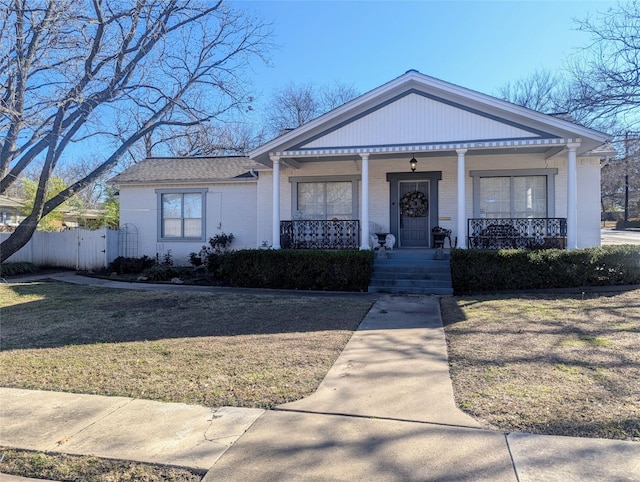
x=79 y=249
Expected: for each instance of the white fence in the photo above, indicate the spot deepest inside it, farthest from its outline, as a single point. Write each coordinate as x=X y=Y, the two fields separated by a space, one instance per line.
x=78 y=249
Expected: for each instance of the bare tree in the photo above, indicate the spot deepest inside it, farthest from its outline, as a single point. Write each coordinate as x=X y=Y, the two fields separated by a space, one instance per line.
x=207 y=139
x=336 y=94
x=605 y=79
x=296 y=104
x=541 y=91
x=100 y=75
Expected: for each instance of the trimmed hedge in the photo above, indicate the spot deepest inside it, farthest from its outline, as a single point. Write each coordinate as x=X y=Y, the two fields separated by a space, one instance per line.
x=294 y=269
x=622 y=225
x=497 y=270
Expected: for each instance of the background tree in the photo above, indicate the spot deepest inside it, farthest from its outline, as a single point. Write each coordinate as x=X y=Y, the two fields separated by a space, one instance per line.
x=97 y=76
x=542 y=91
x=228 y=139
x=110 y=216
x=53 y=220
x=605 y=76
x=599 y=89
x=296 y=104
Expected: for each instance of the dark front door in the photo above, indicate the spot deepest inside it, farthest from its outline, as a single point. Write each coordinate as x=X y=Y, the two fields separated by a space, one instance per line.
x=413 y=202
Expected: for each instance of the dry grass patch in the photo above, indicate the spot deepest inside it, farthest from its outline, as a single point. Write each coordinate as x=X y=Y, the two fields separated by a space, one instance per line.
x=198 y=348
x=561 y=365
x=88 y=469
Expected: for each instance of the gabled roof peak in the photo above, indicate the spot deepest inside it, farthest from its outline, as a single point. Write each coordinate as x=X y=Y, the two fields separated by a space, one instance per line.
x=413 y=83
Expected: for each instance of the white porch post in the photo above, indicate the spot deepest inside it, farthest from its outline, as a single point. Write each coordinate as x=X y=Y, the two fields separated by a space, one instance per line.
x=462 y=212
x=364 y=202
x=572 y=196
x=276 y=202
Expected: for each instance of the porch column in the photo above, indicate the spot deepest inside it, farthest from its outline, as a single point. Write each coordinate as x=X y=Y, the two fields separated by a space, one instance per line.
x=276 y=202
x=364 y=202
x=462 y=212
x=572 y=196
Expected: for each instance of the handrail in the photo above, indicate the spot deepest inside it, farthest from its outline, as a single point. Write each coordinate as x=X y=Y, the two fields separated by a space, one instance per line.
x=525 y=233
x=320 y=234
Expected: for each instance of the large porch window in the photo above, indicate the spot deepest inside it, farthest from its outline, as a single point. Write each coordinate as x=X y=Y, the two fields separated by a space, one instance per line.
x=513 y=197
x=515 y=209
x=514 y=194
x=324 y=214
x=325 y=200
x=331 y=198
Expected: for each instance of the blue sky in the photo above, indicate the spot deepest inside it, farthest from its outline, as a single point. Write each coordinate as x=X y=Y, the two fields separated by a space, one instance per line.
x=481 y=45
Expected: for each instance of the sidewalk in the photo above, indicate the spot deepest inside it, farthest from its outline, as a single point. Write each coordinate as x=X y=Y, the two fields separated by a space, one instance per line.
x=384 y=412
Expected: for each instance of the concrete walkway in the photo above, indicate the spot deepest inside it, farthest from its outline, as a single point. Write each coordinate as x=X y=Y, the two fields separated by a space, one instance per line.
x=384 y=412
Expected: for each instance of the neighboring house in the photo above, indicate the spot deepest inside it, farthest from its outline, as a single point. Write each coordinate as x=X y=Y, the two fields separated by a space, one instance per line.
x=75 y=218
x=414 y=154
x=10 y=213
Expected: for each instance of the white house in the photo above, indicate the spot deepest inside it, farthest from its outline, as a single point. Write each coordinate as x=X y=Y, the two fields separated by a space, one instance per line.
x=178 y=204
x=413 y=154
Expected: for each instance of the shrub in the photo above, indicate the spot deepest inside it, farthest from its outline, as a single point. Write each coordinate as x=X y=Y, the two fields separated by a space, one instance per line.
x=220 y=242
x=161 y=272
x=14 y=269
x=123 y=265
x=295 y=269
x=497 y=270
x=217 y=245
x=621 y=224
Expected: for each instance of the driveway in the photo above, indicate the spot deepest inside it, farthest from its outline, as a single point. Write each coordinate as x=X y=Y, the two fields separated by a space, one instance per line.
x=611 y=236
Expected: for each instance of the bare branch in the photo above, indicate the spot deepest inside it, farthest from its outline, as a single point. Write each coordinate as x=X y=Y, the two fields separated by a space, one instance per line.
x=101 y=70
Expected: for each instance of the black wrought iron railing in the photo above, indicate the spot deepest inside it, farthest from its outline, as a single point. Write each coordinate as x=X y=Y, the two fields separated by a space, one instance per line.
x=320 y=234
x=525 y=233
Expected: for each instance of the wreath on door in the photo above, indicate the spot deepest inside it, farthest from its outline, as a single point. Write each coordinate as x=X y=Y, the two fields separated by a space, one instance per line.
x=414 y=205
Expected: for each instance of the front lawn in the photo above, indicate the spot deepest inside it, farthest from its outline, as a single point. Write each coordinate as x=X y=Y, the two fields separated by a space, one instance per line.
x=198 y=348
x=549 y=364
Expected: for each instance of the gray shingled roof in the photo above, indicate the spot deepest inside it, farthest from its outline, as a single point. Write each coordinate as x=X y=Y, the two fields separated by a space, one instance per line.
x=190 y=169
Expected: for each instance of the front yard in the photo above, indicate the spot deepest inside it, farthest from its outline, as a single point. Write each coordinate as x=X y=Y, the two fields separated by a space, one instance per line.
x=550 y=364
x=554 y=364
x=563 y=365
x=198 y=348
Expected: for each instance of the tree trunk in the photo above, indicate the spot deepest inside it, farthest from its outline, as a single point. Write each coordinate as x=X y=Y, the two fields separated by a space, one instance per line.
x=19 y=238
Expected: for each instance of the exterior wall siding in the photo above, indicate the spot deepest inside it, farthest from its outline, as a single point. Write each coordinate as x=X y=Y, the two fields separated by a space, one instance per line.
x=230 y=208
x=589 y=203
x=418 y=119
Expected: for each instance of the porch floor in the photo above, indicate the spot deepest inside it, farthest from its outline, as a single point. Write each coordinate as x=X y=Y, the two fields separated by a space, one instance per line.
x=412 y=271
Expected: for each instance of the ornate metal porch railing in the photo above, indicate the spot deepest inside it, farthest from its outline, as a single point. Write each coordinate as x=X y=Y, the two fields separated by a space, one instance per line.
x=320 y=234
x=523 y=233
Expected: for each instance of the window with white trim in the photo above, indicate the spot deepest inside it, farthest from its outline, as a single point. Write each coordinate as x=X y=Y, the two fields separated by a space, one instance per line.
x=330 y=198
x=181 y=214
x=514 y=194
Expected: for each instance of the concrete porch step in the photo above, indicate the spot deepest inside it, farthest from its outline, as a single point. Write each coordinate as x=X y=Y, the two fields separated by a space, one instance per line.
x=411 y=275
x=411 y=291
x=415 y=254
x=411 y=283
x=409 y=271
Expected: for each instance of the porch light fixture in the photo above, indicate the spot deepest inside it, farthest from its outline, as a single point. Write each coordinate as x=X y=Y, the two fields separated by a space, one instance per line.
x=413 y=163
